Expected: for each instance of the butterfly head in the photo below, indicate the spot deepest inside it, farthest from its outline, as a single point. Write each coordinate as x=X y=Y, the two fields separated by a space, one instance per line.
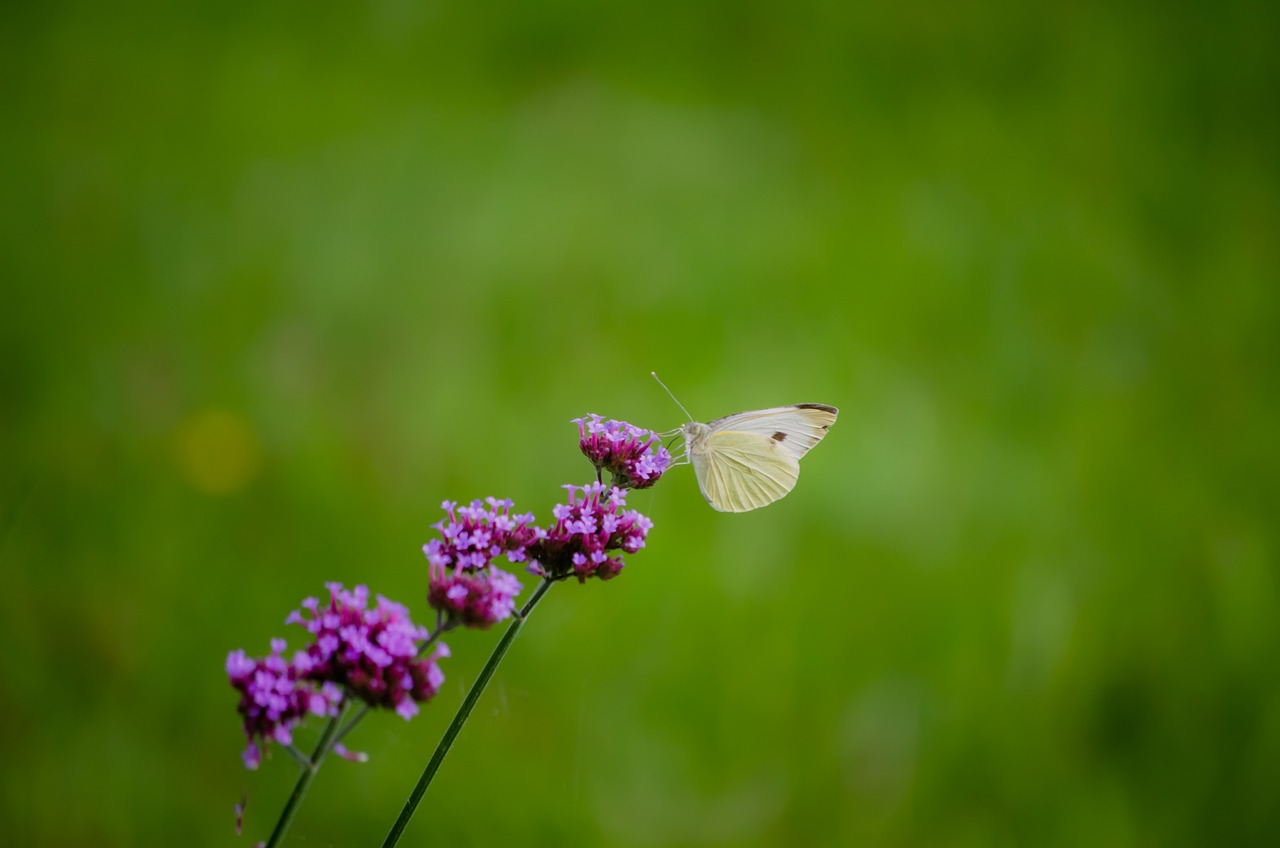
x=694 y=433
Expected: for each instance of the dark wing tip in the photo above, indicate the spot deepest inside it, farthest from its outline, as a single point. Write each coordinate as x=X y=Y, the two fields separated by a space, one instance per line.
x=821 y=407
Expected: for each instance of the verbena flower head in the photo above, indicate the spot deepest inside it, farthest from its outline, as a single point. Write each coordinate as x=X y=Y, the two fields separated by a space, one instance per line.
x=372 y=653
x=464 y=583
x=474 y=598
x=591 y=526
x=635 y=458
x=369 y=653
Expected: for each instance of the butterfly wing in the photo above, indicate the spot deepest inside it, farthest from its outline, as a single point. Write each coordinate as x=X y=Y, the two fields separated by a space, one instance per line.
x=796 y=428
x=741 y=471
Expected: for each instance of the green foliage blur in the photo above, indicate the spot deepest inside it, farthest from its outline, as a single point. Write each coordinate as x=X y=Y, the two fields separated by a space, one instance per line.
x=279 y=278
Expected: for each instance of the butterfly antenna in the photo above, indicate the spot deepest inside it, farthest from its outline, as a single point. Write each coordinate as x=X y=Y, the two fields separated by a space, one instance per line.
x=668 y=391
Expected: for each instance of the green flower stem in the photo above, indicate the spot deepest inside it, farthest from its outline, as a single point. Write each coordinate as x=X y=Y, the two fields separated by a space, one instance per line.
x=464 y=711
x=304 y=783
x=349 y=726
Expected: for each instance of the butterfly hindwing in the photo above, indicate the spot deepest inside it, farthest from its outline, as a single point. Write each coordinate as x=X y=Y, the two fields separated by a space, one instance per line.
x=740 y=471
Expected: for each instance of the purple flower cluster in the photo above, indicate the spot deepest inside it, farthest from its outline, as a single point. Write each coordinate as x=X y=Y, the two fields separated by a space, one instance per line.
x=371 y=654
x=474 y=599
x=635 y=458
x=591 y=525
x=464 y=583
x=274 y=697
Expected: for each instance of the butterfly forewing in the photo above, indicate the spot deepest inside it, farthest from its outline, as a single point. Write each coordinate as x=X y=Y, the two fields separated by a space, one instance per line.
x=796 y=428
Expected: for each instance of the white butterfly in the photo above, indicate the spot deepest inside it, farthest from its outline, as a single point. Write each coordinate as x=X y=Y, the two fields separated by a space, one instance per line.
x=751 y=459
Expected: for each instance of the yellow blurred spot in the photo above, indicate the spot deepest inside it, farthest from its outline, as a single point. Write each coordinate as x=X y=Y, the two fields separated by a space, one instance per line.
x=218 y=451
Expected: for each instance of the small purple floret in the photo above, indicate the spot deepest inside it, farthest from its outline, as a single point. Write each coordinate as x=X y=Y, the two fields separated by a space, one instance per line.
x=347 y=754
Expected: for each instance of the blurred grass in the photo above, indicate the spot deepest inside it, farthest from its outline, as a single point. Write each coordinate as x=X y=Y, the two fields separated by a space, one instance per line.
x=279 y=279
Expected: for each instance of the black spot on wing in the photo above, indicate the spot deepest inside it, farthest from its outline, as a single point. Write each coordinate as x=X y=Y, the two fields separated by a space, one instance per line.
x=778 y=436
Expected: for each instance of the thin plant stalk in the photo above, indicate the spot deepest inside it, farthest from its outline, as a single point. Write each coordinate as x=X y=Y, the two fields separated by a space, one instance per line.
x=304 y=783
x=460 y=718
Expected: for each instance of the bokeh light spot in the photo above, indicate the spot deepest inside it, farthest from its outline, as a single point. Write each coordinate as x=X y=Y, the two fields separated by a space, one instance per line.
x=217 y=451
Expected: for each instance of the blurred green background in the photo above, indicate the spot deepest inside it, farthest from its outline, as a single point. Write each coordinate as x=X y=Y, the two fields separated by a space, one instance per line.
x=279 y=278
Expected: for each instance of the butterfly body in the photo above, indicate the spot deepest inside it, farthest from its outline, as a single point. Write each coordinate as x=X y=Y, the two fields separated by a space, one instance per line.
x=750 y=459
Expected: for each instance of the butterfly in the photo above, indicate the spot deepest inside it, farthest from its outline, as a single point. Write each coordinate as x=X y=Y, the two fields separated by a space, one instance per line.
x=750 y=459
